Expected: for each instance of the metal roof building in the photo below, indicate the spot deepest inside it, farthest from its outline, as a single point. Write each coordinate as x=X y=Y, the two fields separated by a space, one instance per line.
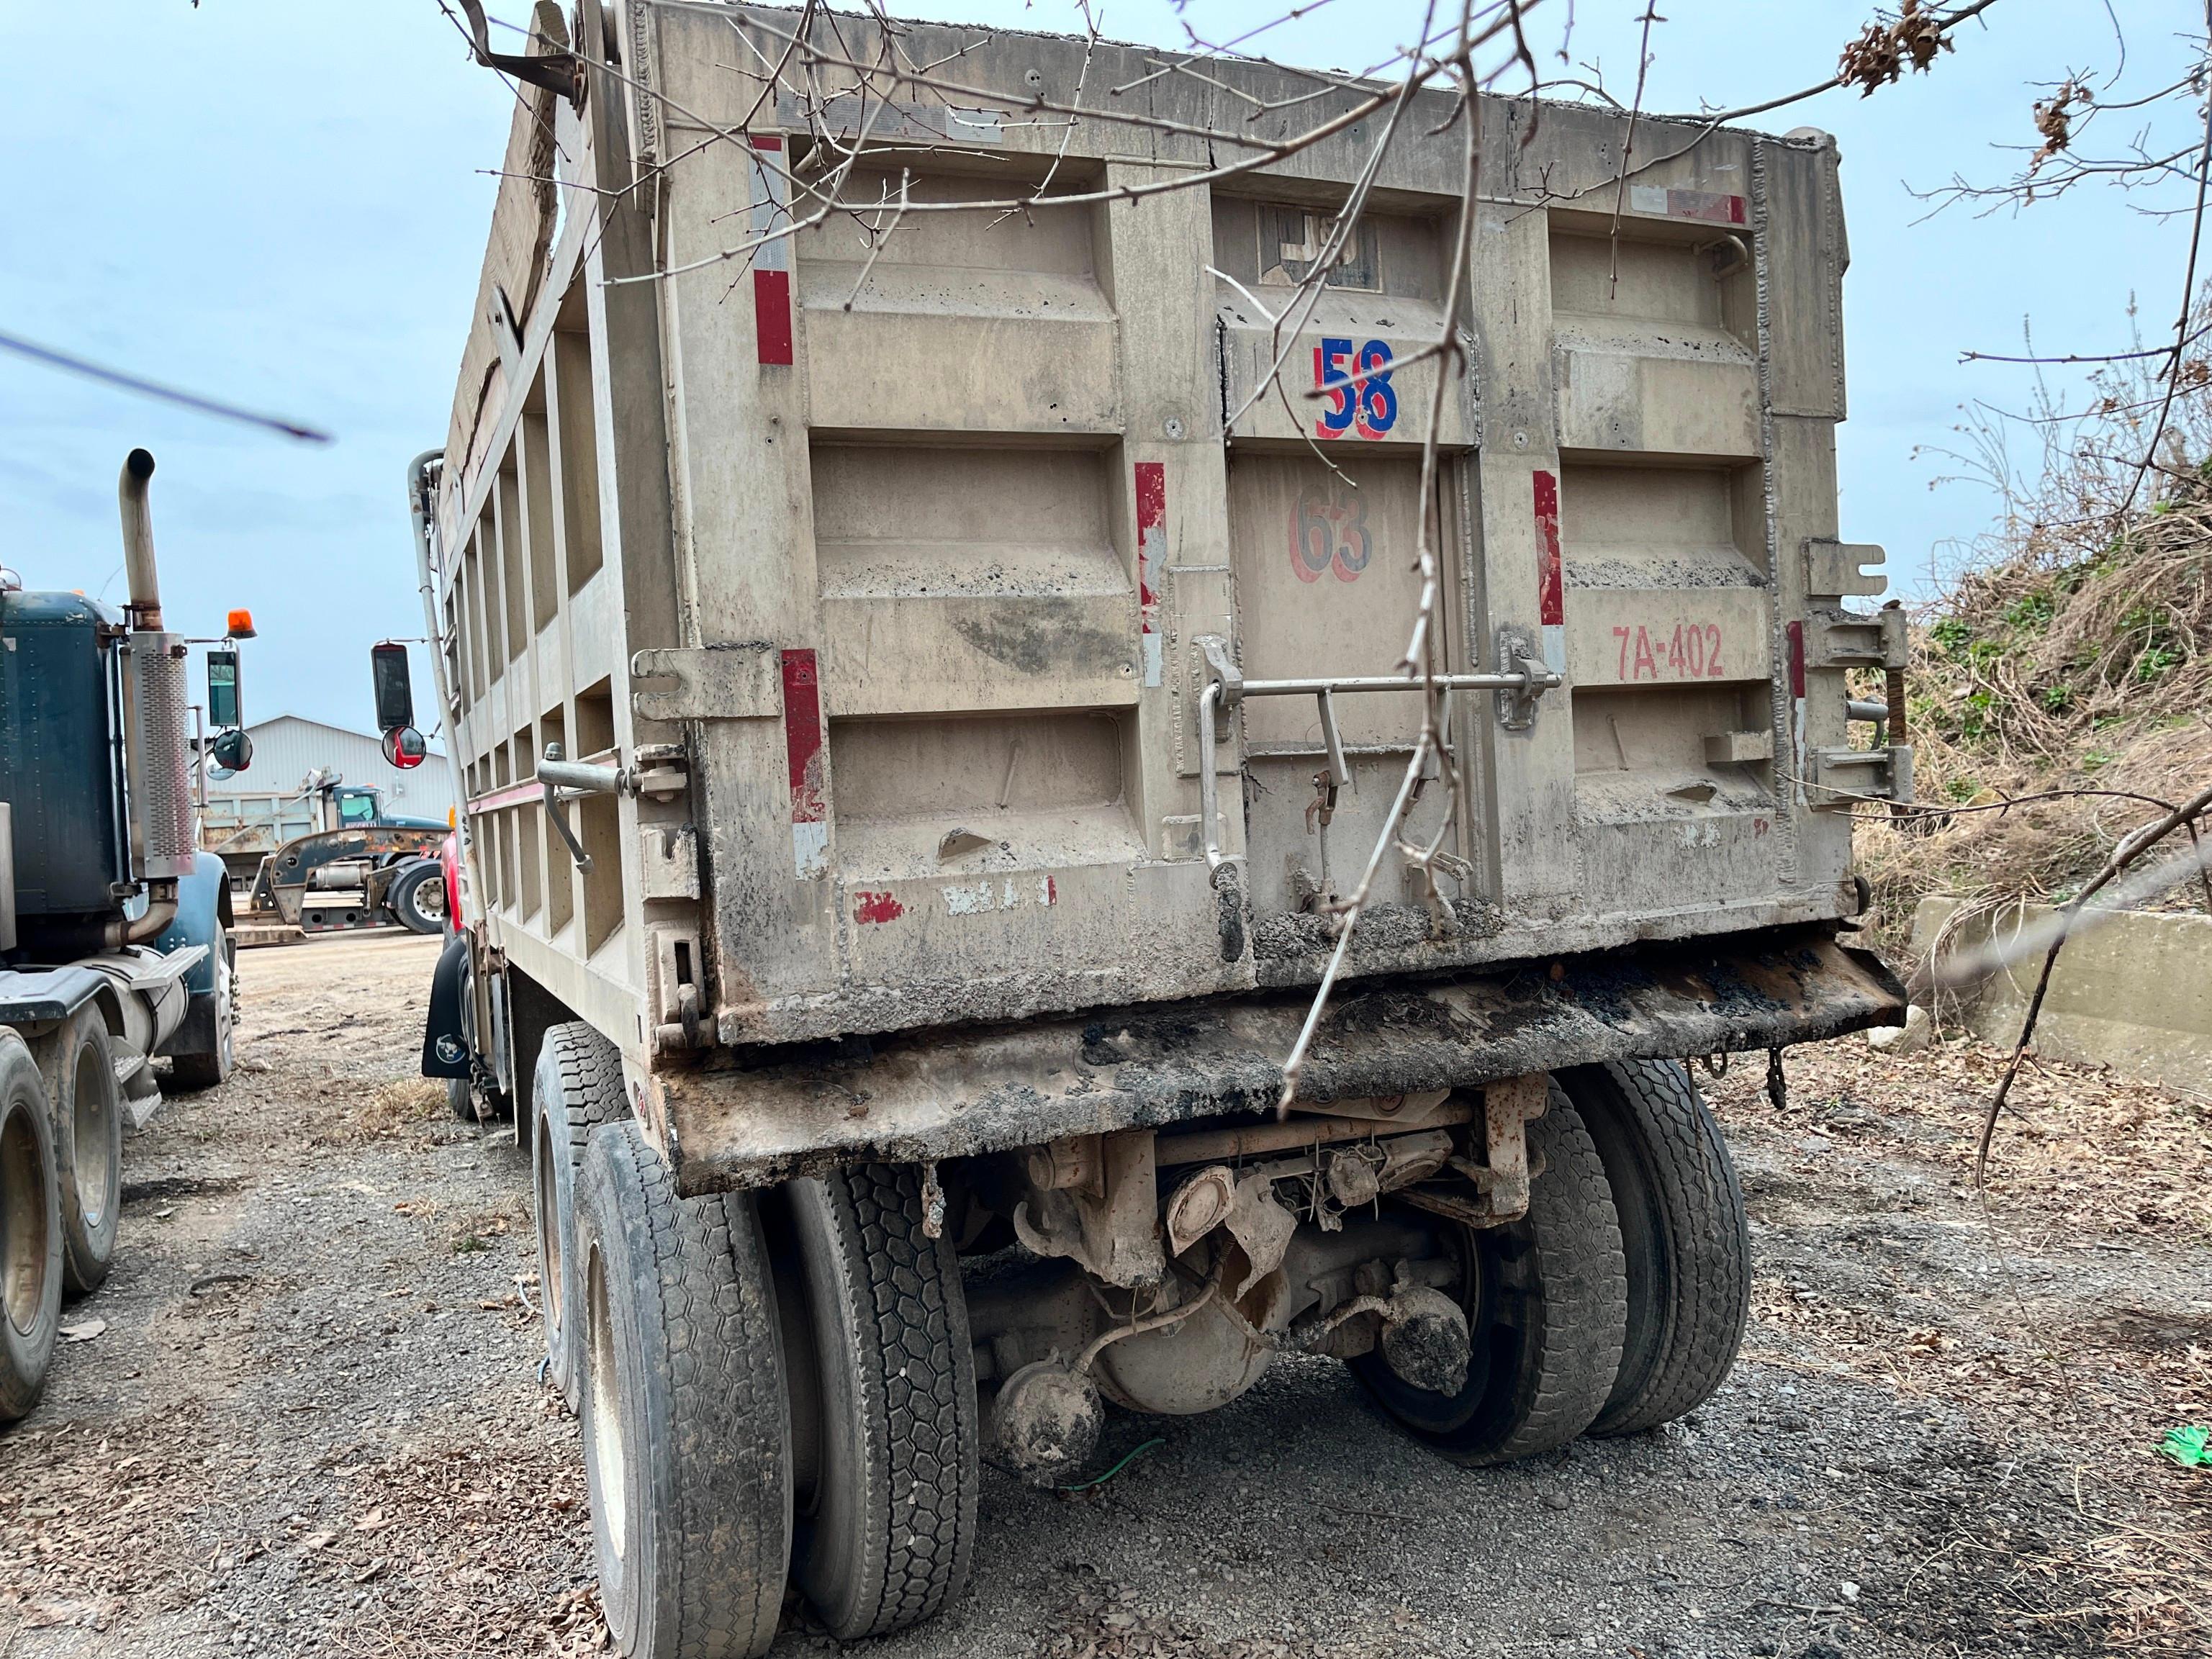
x=289 y=748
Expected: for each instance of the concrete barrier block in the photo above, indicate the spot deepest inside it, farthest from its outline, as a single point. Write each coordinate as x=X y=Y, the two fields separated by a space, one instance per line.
x=2132 y=990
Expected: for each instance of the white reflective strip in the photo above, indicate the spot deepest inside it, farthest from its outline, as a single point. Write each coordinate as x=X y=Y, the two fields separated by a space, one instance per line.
x=1797 y=743
x=1555 y=648
x=810 y=849
x=1154 y=659
x=770 y=192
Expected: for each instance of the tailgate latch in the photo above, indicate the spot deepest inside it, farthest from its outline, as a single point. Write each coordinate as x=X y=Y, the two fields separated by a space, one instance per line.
x=1525 y=679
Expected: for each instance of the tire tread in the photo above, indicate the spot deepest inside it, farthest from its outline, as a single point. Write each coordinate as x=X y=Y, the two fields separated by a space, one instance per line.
x=1577 y=1240
x=916 y=1392
x=589 y=1069
x=716 y=1454
x=1705 y=1286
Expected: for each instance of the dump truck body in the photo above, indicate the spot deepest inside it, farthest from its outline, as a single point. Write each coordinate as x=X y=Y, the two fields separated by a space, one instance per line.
x=882 y=567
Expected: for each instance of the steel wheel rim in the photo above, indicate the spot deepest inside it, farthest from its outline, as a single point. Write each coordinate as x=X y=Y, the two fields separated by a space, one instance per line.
x=23 y=1242
x=607 y=1450
x=91 y=1123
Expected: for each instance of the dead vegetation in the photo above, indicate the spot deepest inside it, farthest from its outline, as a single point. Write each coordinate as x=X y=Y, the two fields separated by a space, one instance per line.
x=2097 y=1178
x=2068 y=666
x=405 y=1106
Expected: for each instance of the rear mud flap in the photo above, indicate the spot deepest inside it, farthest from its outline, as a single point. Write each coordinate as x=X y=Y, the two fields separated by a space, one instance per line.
x=926 y=1096
x=445 y=1041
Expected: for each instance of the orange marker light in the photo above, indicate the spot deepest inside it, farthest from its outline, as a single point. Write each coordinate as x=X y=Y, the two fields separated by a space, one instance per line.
x=241 y=625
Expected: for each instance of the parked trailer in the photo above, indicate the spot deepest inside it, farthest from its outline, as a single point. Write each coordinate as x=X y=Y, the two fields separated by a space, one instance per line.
x=114 y=928
x=919 y=713
x=245 y=830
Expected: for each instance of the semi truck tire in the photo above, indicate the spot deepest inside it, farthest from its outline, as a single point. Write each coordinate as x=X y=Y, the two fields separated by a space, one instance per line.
x=1686 y=1246
x=417 y=897
x=30 y=1232
x=883 y=1386
x=212 y=1069
x=88 y=1117
x=687 y=1438
x=1547 y=1305
x=577 y=1086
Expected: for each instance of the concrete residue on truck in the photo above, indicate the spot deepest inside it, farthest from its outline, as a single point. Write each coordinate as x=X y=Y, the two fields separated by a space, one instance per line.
x=896 y=1003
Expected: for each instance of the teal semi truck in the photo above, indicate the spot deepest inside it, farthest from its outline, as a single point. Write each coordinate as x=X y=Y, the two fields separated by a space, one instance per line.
x=115 y=945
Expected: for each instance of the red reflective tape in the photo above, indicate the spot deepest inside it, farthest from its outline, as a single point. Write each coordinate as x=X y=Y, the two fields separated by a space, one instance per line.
x=1151 y=532
x=767 y=141
x=1551 y=582
x=772 y=315
x=1708 y=205
x=514 y=794
x=1797 y=659
x=802 y=737
x=872 y=909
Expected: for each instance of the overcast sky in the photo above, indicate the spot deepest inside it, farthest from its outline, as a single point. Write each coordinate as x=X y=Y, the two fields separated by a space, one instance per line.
x=285 y=205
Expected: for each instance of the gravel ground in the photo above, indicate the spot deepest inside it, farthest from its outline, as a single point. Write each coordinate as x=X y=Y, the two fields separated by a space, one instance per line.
x=310 y=1423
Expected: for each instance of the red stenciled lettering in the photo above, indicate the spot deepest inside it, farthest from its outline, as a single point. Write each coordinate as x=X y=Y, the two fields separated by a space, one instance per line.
x=1712 y=651
x=1647 y=665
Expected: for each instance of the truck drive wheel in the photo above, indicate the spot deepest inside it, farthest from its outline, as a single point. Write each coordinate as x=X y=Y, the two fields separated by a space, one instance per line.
x=578 y=1087
x=30 y=1232
x=1547 y=1300
x=213 y=1069
x=687 y=1440
x=1688 y=1249
x=87 y=1119
x=417 y=897
x=886 y=1427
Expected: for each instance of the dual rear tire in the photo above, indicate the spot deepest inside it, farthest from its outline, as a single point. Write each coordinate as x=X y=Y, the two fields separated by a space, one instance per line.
x=88 y=1123
x=1617 y=1302
x=30 y=1231
x=770 y=1391
x=783 y=1388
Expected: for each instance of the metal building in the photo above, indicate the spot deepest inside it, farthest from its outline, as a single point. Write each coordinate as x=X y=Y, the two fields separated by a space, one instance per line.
x=289 y=747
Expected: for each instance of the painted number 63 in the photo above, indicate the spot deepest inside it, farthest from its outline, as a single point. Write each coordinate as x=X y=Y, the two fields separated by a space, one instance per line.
x=1367 y=405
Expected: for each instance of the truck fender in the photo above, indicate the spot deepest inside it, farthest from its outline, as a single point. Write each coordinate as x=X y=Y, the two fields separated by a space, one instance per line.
x=445 y=1037
x=203 y=917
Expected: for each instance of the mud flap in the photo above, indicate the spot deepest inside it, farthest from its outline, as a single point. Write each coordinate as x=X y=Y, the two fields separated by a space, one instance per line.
x=445 y=1045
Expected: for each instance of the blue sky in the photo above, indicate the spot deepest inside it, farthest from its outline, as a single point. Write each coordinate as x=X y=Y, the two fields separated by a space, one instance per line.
x=285 y=205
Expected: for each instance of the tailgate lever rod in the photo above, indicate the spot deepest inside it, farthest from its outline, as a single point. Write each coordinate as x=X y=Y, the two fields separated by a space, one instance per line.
x=1227 y=689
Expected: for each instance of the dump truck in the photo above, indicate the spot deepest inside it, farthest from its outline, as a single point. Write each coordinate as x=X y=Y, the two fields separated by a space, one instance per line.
x=930 y=683
x=115 y=944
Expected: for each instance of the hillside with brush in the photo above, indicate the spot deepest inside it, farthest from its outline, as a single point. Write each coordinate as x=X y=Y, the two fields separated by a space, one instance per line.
x=2067 y=668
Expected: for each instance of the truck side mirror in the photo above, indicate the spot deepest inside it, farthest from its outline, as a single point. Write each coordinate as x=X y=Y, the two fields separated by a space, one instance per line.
x=405 y=748
x=223 y=689
x=232 y=750
x=395 y=687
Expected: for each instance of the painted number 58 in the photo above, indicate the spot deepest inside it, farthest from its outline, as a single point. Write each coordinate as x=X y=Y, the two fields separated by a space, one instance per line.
x=1357 y=386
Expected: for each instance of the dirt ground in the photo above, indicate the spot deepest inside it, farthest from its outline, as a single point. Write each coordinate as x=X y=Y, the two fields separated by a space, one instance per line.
x=309 y=1420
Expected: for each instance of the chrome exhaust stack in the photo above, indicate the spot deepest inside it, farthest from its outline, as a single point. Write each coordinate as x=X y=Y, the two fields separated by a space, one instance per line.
x=159 y=761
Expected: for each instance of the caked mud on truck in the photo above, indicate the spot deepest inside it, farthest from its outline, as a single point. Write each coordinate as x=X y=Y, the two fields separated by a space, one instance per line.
x=928 y=694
